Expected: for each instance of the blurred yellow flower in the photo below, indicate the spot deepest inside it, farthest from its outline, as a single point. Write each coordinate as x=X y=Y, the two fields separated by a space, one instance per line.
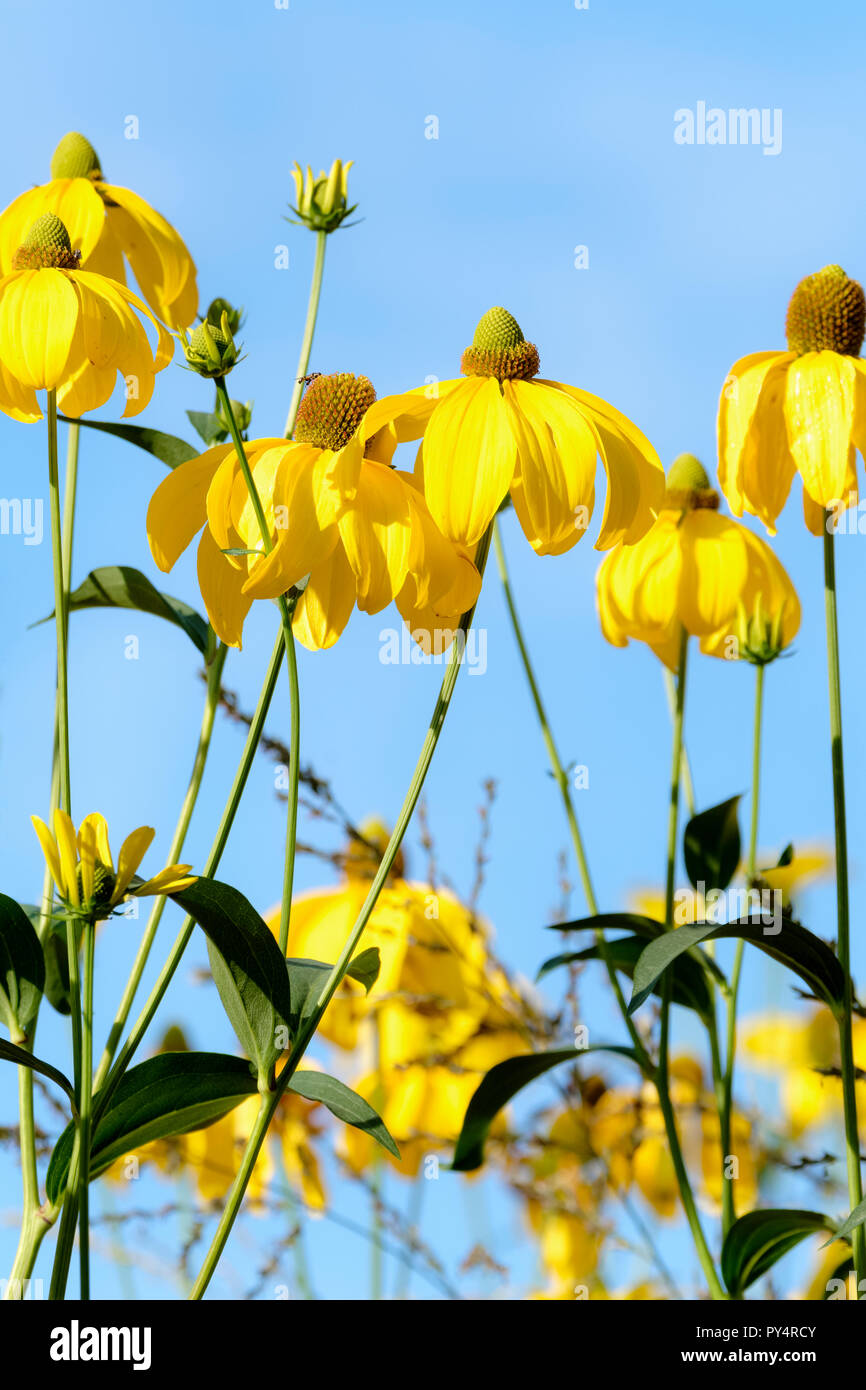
x=699 y=571
x=803 y=410
x=105 y=224
x=71 y=331
x=796 y=1049
x=500 y=429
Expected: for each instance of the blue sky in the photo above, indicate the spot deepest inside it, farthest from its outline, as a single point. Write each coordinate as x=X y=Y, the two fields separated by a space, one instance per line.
x=555 y=130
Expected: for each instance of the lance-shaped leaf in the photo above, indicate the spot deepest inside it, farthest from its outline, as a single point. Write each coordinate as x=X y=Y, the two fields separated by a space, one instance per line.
x=307 y=979
x=711 y=846
x=120 y=586
x=166 y=447
x=22 y=969
x=849 y=1225
x=23 y=1058
x=756 y=1241
x=352 y=1109
x=793 y=945
x=501 y=1084
x=208 y=426
x=172 y=1093
x=691 y=988
x=605 y=921
x=248 y=968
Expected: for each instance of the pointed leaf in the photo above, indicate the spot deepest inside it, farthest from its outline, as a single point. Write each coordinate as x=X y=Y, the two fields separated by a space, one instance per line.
x=628 y=921
x=352 y=1109
x=166 y=447
x=800 y=950
x=22 y=969
x=248 y=969
x=23 y=1058
x=209 y=427
x=711 y=846
x=756 y=1241
x=120 y=586
x=691 y=988
x=307 y=979
x=849 y=1225
x=172 y=1093
x=503 y=1082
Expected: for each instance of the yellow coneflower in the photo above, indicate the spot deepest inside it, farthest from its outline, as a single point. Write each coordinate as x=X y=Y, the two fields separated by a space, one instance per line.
x=83 y=870
x=106 y=224
x=700 y=571
x=502 y=429
x=71 y=331
x=803 y=410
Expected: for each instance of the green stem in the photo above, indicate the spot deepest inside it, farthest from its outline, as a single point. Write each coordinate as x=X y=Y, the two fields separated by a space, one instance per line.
x=729 y=1213
x=214 y=678
x=688 y=780
x=309 y=330
x=286 y=607
x=144 y=1019
x=561 y=778
x=308 y=1028
x=663 y=1073
x=85 y=1110
x=843 y=948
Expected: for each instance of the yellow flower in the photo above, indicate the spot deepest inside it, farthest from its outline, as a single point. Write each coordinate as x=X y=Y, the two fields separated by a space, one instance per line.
x=71 y=331
x=797 y=1050
x=501 y=429
x=356 y=527
x=105 y=224
x=83 y=869
x=803 y=410
x=568 y=1246
x=322 y=203
x=695 y=570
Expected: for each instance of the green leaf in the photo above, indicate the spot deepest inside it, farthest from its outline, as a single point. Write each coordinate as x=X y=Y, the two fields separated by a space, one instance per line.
x=756 y=1241
x=307 y=979
x=344 y=1103
x=498 y=1087
x=800 y=950
x=248 y=968
x=691 y=988
x=166 y=447
x=56 y=957
x=711 y=845
x=849 y=1225
x=23 y=1058
x=22 y=969
x=209 y=427
x=119 y=586
x=628 y=921
x=172 y=1093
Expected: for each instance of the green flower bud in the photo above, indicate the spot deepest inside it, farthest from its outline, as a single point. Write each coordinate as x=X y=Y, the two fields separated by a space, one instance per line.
x=217 y=308
x=759 y=633
x=212 y=351
x=322 y=203
x=688 y=485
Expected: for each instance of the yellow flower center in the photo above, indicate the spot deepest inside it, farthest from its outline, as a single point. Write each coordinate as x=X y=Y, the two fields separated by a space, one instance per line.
x=827 y=313
x=46 y=245
x=332 y=409
x=688 y=486
x=103 y=886
x=499 y=349
x=75 y=158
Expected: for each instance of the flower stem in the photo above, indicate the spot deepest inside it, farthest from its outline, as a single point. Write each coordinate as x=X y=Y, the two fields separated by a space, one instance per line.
x=143 y=1022
x=85 y=1111
x=663 y=1072
x=338 y=970
x=214 y=677
x=309 y=330
x=286 y=607
x=561 y=778
x=728 y=1206
x=843 y=946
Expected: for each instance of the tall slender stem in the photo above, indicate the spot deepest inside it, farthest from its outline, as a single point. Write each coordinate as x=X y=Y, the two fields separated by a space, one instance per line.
x=560 y=776
x=728 y=1205
x=214 y=677
x=85 y=1110
x=309 y=330
x=843 y=946
x=308 y=1028
x=663 y=1069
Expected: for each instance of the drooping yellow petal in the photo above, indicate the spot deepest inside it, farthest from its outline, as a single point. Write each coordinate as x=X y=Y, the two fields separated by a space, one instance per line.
x=326 y=603
x=169 y=880
x=160 y=261
x=17 y=400
x=469 y=459
x=767 y=466
x=737 y=403
x=178 y=508
x=132 y=851
x=376 y=532
x=67 y=849
x=39 y=313
x=222 y=588
x=50 y=851
x=714 y=571
x=398 y=419
x=819 y=411
x=290 y=482
x=553 y=489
